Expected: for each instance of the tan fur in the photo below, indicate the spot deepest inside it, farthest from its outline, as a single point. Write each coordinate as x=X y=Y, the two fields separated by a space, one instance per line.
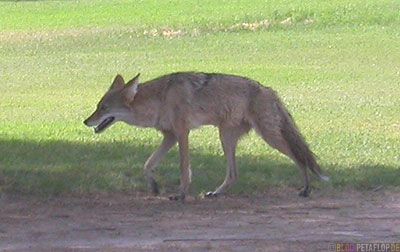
x=177 y=103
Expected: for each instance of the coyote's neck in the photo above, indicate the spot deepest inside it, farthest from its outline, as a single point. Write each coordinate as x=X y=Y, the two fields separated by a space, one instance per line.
x=146 y=105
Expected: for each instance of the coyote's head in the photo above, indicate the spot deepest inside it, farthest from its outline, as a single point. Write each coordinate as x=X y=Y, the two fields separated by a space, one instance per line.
x=115 y=105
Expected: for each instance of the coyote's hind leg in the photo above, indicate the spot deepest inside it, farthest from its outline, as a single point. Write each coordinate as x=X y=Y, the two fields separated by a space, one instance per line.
x=276 y=140
x=229 y=138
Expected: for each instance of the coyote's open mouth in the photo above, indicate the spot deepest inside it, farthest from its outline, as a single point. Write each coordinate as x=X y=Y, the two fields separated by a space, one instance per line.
x=104 y=124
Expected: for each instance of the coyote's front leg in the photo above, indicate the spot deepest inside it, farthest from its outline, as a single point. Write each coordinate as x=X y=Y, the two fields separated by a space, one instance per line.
x=183 y=142
x=168 y=142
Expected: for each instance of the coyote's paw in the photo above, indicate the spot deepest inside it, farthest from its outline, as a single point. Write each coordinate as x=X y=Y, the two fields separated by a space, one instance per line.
x=180 y=197
x=211 y=195
x=305 y=192
x=154 y=188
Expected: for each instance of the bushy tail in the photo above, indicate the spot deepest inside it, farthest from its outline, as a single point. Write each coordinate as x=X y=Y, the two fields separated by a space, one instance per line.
x=299 y=148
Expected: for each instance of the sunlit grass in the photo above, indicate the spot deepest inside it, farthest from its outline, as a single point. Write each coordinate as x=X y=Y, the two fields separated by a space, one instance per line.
x=338 y=75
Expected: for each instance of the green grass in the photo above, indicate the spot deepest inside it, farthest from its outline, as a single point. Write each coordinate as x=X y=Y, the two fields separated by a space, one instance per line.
x=336 y=67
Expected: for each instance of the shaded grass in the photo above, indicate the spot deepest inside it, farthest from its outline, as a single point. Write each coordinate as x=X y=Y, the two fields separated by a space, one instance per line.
x=59 y=167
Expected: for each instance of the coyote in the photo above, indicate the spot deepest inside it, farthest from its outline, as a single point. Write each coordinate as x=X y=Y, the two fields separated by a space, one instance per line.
x=179 y=102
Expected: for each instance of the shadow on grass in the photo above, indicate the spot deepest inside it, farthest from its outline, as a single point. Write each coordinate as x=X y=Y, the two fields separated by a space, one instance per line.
x=59 y=167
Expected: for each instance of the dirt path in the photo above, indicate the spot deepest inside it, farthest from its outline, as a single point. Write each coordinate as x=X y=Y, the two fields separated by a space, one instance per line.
x=281 y=222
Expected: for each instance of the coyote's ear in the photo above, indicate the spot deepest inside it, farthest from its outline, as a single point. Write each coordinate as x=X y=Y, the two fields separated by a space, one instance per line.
x=118 y=82
x=131 y=88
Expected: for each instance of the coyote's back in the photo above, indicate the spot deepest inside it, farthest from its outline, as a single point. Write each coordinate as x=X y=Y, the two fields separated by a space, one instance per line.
x=214 y=99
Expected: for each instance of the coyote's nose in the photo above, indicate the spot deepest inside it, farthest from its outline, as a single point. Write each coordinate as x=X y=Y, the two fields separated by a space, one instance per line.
x=86 y=122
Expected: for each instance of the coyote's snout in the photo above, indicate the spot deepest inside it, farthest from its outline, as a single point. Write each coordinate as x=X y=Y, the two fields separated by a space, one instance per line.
x=96 y=120
x=177 y=103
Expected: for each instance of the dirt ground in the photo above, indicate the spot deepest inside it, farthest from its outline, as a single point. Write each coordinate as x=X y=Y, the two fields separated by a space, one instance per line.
x=275 y=221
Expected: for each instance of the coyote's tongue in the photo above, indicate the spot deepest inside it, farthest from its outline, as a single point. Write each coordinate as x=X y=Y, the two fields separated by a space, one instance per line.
x=104 y=124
